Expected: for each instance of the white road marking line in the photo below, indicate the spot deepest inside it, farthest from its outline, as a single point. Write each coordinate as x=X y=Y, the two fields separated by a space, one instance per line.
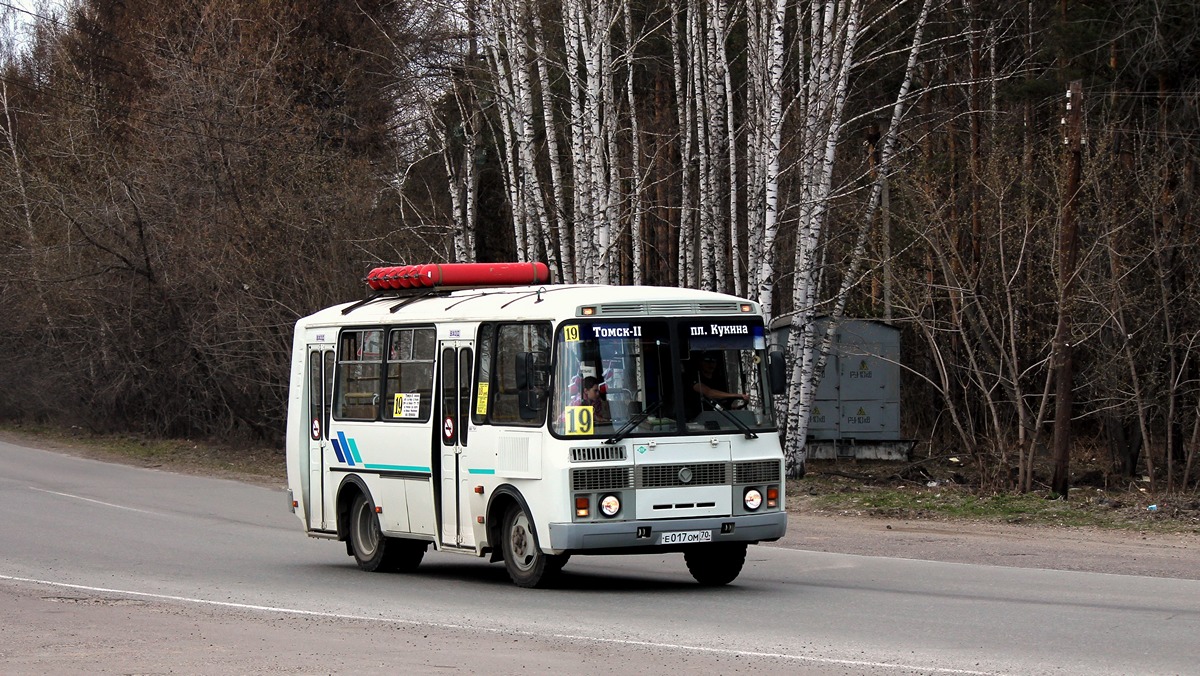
x=98 y=502
x=569 y=637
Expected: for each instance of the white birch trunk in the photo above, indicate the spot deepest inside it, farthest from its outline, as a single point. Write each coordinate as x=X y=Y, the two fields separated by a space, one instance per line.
x=581 y=198
x=684 y=107
x=539 y=227
x=769 y=139
x=558 y=210
x=495 y=40
x=456 y=188
x=731 y=128
x=635 y=152
x=715 y=105
x=699 y=65
x=593 y=105
x=610 y=269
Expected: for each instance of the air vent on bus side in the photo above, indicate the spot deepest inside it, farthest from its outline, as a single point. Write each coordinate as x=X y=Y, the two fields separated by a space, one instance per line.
x=597 y=453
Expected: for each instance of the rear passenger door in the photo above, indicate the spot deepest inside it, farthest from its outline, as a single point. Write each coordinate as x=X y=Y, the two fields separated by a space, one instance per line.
x=455 y=362
x=320 y=398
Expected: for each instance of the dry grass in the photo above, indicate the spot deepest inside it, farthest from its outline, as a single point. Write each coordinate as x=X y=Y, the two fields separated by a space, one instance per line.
x=254 y=464
x=946 y=491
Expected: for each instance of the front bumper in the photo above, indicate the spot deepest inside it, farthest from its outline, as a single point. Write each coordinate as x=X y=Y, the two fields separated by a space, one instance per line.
x=617 y=535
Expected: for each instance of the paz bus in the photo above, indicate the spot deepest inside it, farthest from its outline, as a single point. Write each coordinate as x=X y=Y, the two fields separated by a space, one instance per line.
x=445 y=410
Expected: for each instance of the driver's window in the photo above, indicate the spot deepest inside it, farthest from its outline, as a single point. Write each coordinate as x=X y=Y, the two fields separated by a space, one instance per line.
x=512 y=342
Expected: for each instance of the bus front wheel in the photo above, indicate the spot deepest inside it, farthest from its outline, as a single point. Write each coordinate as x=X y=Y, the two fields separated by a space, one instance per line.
x=716 y=565
x=527 y=564
x=374 y=552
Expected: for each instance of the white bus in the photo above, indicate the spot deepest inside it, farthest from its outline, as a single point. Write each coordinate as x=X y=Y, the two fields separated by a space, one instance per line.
x=452 y=412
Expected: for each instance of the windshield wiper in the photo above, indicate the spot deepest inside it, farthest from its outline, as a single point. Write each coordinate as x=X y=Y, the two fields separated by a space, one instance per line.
x=731 y=417
x=634 y=420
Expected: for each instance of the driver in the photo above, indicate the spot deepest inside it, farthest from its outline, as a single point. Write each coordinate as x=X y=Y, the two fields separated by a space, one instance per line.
x=709 y=384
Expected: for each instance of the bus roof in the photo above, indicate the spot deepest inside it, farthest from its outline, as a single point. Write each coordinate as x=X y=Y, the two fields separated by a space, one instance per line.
x=546 y=301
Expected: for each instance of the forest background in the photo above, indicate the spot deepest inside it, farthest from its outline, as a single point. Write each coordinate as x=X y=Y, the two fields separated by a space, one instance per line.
x=180 y=181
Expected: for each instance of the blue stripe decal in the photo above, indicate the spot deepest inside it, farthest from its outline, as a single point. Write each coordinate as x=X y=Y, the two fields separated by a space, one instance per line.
x=481 y=471
x=354 y=451
x=346 y=446
x=399 y=468
x=337 y=449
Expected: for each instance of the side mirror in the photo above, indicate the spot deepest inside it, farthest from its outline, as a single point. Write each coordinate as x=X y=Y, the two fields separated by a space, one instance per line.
x=777 y=372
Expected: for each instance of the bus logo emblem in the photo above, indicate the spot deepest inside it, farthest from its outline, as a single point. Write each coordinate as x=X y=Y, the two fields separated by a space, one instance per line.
x=685 y=475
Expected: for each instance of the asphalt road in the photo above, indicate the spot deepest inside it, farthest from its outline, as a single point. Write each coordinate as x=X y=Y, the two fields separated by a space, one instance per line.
x=110 y=568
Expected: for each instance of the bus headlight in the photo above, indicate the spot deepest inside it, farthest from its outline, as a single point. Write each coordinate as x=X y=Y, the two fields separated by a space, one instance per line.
x=753 y=499
x=610 y=505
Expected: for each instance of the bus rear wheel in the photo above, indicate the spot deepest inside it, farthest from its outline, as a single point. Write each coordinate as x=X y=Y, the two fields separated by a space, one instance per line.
x=374 y=552
x=527 y=564
x=716 y=565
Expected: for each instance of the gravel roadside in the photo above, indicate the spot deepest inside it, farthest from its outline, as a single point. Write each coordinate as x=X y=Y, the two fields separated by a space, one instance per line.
x=1120 y=552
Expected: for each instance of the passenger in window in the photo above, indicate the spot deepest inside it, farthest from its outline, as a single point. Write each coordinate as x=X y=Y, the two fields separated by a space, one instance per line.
x=590 y=395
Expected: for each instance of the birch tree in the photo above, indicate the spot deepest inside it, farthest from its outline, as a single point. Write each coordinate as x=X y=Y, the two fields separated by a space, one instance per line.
x=835 y=30
x=765 y=50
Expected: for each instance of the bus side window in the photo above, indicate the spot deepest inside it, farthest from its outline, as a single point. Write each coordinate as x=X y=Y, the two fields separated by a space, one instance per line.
x=358 y=370
x=408 y=390
x=512 y=341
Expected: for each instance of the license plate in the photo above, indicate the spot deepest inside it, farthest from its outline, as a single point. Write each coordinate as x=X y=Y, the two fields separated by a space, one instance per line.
x=685 y=537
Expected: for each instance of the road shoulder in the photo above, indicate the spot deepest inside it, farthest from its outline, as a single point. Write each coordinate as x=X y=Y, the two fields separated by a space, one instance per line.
x=1023 y=546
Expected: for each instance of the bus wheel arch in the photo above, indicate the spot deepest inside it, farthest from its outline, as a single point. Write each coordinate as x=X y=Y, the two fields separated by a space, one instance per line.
x=351 y=487
x=511 y=524
x=358 y=524
x=503 y=498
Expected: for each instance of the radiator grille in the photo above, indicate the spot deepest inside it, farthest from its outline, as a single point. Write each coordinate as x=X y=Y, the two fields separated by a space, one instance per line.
x=667 y=476
x=601 y=478
x=757 y=472
x=597 y=453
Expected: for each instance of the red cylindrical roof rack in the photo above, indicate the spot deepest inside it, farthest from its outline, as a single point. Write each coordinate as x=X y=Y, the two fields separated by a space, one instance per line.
x=460 y=275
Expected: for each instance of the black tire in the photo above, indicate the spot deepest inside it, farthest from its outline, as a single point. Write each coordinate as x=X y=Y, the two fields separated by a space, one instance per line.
x=371 y=550
x=527 y=565
x=557 y=561
x=716 y=565
x=403 y=556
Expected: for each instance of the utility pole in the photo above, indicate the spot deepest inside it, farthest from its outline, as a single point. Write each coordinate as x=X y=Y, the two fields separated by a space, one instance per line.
x=1068 y=251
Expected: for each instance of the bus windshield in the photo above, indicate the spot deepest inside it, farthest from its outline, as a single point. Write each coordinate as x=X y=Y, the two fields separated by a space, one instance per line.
x=667 y=376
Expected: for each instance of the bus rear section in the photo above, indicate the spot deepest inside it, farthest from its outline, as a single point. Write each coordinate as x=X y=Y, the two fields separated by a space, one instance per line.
x=536 y=423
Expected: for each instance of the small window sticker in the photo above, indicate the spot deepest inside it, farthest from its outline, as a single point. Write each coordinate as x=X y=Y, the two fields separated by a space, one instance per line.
x=481 y=399
x=571 y=333
x=407 y=405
